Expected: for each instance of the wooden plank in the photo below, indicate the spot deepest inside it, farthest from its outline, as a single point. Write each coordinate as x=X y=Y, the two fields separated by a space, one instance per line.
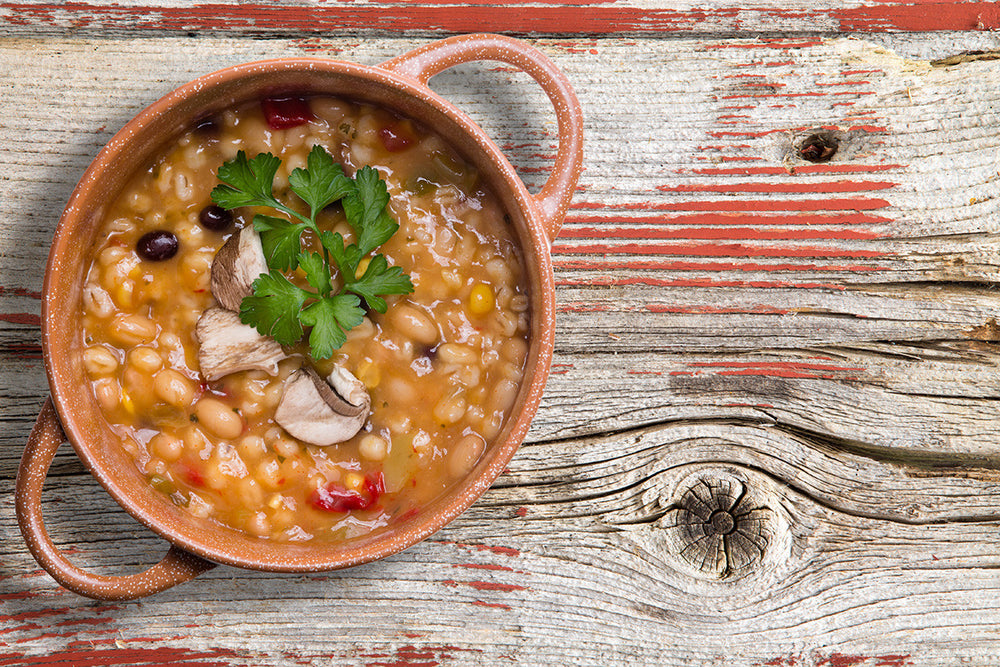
x=583 y=17
x=573 y=557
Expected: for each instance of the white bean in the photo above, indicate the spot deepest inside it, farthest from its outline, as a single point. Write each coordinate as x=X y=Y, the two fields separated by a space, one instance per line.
x=413 y=324
x=218 y=418
x=173 y=388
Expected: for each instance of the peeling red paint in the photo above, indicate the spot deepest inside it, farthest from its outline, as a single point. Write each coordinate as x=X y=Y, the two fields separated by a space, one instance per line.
x=740 y=206
x=643 y=265
x=726 y=234
x=607 y=281
x=919 y=16
x=716 y=310
x=804 y=169
x=419 y=656
x=22 y=318
x=567 y=16
x=20 y=291
x=798 y=188
x=492 y=605
x=176 y=657
x=495 y=586
x=484 y=566
x=715 y=250
x=717 y=219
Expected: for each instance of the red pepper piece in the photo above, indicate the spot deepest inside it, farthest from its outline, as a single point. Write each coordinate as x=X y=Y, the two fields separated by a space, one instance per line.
x=335 y=497
x=397 y=136
x=284 y=112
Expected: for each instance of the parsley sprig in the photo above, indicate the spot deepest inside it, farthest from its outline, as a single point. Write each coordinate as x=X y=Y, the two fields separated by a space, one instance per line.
x=280 y=308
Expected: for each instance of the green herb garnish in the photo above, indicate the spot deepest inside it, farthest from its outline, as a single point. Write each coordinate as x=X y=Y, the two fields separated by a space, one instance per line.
x=280 y=308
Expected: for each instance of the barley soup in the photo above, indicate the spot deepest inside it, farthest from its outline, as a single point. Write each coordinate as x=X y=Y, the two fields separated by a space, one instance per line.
x=439 y=369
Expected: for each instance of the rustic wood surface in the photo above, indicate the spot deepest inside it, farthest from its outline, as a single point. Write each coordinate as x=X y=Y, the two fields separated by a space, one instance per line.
x=772 y=431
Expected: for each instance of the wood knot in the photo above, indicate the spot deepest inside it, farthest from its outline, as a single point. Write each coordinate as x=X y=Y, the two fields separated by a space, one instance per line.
x=718 y=526
x=819 y=147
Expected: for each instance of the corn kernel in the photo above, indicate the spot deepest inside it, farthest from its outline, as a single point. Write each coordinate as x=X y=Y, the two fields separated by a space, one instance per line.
x=369 y=373
x=354 y=481
x=481 y=299
x=362 y=267
x=123 y=294
x=127 y=402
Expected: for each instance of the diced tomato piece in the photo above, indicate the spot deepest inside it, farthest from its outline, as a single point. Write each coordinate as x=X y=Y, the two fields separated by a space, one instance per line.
x=284 y=112
x=397 y=136
x=375 y=485
x=192 y=475
x=335 y=497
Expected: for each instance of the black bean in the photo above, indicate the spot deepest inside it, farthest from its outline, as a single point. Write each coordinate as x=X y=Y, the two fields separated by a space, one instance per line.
x=215 y=218
x=207 y=126
x=157 y=245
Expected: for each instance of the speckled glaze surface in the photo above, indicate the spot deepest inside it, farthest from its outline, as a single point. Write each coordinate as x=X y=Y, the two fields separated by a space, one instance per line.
x=400 y=85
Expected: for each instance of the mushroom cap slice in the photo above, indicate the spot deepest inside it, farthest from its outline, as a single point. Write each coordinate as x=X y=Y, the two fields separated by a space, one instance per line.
x=226 y=345
x=238 y=263
x=323 y=412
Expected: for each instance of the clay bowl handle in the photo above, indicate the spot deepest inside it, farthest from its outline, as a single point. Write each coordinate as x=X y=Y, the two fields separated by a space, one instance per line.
x=426 y=61
x=176 y=567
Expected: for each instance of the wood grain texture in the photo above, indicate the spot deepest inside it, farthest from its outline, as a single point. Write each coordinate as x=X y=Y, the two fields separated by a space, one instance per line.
x=810 y=348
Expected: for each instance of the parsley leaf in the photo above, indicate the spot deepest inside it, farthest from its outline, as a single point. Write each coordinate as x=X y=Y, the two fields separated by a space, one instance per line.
x=380 y=278
x=279 y=307
x=329 y=318
x=317 y=271
x=366 y=210
x=275 y=307
x=246 y=182
x=322 y=183
x=347 y=259
x=281 y=239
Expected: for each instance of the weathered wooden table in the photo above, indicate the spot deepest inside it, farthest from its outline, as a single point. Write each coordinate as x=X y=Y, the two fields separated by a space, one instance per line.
x=772 y=431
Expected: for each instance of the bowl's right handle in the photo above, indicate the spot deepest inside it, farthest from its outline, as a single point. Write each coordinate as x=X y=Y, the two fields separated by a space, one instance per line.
x=426 y=61
x=176 y=567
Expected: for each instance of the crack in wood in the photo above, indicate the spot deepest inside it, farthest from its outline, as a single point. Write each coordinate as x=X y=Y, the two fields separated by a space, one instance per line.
x=966 y=57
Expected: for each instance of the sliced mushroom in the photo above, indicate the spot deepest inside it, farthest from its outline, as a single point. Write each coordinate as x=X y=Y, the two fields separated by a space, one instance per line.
x=238 y=263
x=323 y=412
x=227 y=346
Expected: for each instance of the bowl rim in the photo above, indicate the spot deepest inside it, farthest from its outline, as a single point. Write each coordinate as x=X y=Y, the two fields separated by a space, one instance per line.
x=314 y=556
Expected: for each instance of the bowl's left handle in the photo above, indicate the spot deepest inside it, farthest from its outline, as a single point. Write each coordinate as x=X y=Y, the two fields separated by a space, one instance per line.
x=176 y=567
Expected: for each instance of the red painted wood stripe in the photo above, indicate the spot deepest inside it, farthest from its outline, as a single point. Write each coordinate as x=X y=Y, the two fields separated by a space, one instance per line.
x=123 y=656
x=715 y=219
x=20 y=291
x=21 y=318
x=714 y=250
x=799 y=365
x=796 y=171
x=562 y=264
x=647 y=281
x=797 y=188
x=741 y=206
x=724 y=233
x=716 y=310
x=568 y=16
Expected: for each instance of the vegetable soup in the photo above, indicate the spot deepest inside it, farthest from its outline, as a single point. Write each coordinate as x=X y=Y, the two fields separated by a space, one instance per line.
x=382 y=373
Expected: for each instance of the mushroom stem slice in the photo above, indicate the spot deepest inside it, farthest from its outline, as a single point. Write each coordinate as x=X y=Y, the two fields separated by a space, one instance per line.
x=323 y=411
x=238 y=263
x=226 y=345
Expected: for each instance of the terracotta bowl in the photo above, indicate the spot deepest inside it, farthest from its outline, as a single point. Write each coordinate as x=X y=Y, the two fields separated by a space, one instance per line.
x=196 y=545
